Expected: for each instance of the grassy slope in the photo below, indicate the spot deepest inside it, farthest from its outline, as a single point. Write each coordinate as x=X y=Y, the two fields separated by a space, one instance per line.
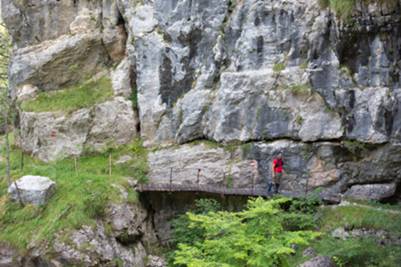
x=357 y=251
x=79 y=197
x=72 y=98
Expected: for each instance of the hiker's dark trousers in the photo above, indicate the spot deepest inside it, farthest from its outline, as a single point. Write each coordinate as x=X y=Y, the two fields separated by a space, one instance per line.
x=275 y=182
x=276 y=186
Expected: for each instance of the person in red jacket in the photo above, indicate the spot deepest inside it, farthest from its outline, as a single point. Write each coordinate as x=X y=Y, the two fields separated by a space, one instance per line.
x=277 y=172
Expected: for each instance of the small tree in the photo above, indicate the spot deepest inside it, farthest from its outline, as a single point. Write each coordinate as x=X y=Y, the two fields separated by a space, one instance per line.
x=255 y=237
x=8 y=110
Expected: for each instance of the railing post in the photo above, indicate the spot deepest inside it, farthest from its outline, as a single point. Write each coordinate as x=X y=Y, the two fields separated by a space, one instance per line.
x=253 y=184
x=224 y=185
x=171 y=179
x=306 y=186
x=197 y=177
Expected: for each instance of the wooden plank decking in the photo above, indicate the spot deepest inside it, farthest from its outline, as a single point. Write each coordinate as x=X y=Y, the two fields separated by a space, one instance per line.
x=152 y=187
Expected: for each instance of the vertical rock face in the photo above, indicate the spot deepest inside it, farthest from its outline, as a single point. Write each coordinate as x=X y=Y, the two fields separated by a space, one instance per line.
x=55 y=135
x=228 y=71
x=255 y=76
x=276 y=75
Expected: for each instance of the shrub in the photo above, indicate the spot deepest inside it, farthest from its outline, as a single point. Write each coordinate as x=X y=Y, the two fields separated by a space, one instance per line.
x=300 y=89
x=206 y=205
x=253 y=237
x=355 y=147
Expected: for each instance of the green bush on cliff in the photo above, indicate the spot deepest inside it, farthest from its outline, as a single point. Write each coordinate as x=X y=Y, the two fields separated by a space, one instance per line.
x=256 y=236
x=72 y=98
x=344 y=8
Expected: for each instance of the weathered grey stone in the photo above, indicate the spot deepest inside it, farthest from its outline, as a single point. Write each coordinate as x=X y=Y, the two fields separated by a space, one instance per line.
x=309 y=252
x=9 y=257
x=51 y=136
x=185 y=163
x=114 y=123
x=127 y=222
x=91 y=246
x=56 y=135
x=34 y=190
x=121 y=79
x=40 y=20
x=305 y=165
x=155 y=261
x=26 y=92
x=52 y=64
x=372 y=191
x=204 y=164
x=263 y=105
x=85 y=21
x=370 y=118
x=340 y=233
x=123 y=159
x=277 y=75
x=319 y=261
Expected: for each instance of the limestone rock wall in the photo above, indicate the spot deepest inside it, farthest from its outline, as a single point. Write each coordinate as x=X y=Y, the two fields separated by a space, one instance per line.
x=271 y=74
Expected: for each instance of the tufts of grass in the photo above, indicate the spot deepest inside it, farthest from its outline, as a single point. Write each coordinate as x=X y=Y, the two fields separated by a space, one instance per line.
x=354 y=251
x=342 y=8
x=299 y=120
x=300 y=89
x=71 y=98
x=355 y=147
x=138 y=167
x=81 y=197
x=278 y=67
x=356 y=216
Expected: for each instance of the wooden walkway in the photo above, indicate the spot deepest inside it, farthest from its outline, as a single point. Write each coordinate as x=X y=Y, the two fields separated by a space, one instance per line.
x=221 y=190
x=225 y=191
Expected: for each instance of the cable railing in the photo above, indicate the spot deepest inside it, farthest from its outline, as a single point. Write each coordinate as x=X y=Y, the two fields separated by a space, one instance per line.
x=224 y=188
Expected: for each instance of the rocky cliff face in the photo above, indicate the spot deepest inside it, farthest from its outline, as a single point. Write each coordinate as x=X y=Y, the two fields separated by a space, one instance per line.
x=256 y=76
x=213 y=86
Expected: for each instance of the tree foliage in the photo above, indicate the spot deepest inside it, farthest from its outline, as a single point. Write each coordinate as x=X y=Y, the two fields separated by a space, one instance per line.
x=256 y=236
x=4 y=59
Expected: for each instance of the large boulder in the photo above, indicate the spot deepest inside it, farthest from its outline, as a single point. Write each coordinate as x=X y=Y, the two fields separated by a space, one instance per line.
x=56 y=63
x=55 y=135
x=35 y=190
x=113 y=123
x=372 y=191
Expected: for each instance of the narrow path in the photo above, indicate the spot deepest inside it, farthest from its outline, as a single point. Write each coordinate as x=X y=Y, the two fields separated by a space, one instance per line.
x=213 y=189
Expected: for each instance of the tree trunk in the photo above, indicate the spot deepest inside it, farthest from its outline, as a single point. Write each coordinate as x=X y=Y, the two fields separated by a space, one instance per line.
x=8 y=156
x=8 y=161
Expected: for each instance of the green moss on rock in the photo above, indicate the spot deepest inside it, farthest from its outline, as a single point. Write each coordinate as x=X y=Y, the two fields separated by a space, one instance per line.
x=71 y=98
